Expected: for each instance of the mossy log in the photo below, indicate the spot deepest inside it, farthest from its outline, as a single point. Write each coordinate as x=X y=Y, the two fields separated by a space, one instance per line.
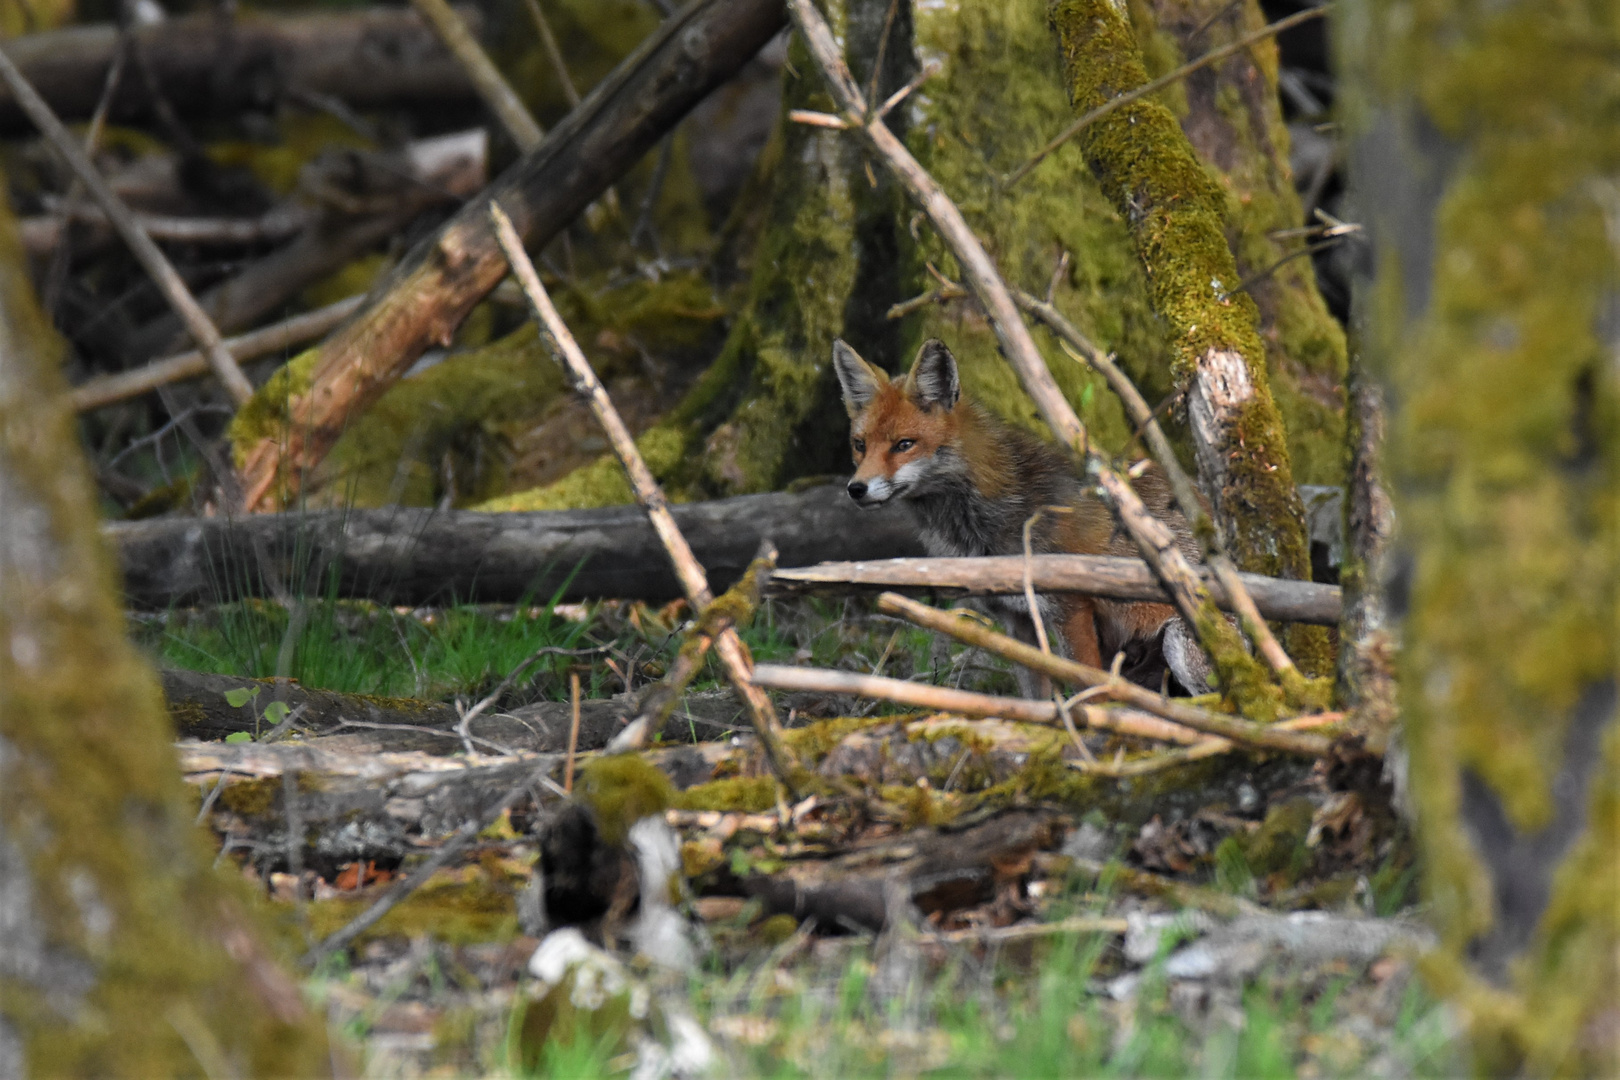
x=124 y=954
x=1177 y=213
x=1484 y=167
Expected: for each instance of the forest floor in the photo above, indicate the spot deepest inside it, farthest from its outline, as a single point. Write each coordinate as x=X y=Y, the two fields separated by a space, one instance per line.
x=1261 y=924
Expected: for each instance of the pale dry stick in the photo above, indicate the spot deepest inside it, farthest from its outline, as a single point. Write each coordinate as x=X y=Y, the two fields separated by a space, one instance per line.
x=152 y=260
x=484 y=75
x=1187 y=591
x=1205 y=748
x=573 y=732
x=945 y=699
x=1039 y=621
x=437 y=861
x=1077 y=924
x=694 y=583
x=971 y=632
x=110 y=389
x=464 y=728
x=1114 y=104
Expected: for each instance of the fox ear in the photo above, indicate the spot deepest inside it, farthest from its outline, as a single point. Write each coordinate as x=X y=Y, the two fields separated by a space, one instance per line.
x=933 y=375
x=859 y=380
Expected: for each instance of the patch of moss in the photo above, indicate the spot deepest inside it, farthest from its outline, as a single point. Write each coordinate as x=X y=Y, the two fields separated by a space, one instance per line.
x=457 y=908
x=621 y=789
x=749 y=794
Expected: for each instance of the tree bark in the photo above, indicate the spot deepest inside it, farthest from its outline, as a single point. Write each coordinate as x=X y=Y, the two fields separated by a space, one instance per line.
x=1176 y=213
x=121 y=953
x=411 y=556
x=208 y=66
x=440 y=280
x=1484 y=167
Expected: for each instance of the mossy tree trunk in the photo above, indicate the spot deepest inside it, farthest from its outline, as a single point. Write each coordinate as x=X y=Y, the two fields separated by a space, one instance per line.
x=121 y=952
x=1178 y=216
x=1487 y=168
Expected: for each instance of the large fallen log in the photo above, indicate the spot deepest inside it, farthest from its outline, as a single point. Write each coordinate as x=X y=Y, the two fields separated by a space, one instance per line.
x=206 y=65
x=418 y=556
x=446 y=274
x=1097 y=575
x=365 y=723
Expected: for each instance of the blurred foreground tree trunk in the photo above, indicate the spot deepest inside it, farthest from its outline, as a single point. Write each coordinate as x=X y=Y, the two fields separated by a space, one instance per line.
x=1487 y=167
x=121 y=952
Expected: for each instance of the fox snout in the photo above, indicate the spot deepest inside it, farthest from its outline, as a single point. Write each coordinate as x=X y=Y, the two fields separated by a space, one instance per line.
x=870 y=493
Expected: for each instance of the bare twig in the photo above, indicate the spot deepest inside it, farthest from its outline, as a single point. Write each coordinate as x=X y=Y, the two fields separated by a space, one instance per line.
x=1114 y=104
x=512 y=676
x=694 y=583
x=573 y=731
x=485 y=76
x=548 y=41
x=109 y=389
x=145 y=251
x=1078 y=924
x=971 y=632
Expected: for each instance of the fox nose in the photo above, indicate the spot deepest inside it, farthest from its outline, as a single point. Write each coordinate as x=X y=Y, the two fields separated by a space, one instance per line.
x=857 y=489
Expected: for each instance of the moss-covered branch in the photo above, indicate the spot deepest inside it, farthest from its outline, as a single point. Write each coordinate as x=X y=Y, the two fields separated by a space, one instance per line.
x=1175 y=211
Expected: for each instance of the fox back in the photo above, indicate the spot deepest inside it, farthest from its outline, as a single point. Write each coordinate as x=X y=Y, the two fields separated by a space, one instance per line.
x=972 y=483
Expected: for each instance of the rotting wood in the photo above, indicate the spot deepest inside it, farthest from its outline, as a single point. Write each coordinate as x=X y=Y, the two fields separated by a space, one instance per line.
x=152 y=260
x=420 y=556
x=734 y=655
x=445 y=275
x=372 y=58
x=107 y=390
x=1110 y=576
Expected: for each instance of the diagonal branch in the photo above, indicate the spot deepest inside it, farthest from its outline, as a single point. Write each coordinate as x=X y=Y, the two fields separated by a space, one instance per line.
x=733 y=653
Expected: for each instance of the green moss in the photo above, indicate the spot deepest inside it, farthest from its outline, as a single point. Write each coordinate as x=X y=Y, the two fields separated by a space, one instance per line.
x=750 y=794
x=1279 y=844
x=776 y=929
x=621 y=789
x=459 y=909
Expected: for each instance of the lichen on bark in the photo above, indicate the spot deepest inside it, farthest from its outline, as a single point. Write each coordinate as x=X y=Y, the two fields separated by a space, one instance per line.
x=123 y=954
x=1485 y=168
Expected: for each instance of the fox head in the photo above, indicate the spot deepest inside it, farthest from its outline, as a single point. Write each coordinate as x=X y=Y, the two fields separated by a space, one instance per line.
x=899 y=427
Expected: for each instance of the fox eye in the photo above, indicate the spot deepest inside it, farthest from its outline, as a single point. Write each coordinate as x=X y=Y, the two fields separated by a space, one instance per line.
x=860 y=445
x=903 y=445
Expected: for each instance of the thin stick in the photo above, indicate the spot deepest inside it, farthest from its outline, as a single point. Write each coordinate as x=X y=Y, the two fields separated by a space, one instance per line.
x=1160 y=83
x=969 y=703
x=1029 y=586
x=970 y=632
x=883 y=47
x=1078 y=924
x=107 y=390
x=573 y=732
x=548 y=41
x=152 y=260
x=694 y=583
x=484 y=75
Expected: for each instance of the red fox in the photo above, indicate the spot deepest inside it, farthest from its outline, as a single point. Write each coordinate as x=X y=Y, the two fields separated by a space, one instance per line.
x=972 y=482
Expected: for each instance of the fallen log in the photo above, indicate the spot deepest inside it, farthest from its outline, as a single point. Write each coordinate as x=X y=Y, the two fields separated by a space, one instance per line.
x=420 y=556
x=206 y=65
x=1097 y=575
x=365 y=723
x=441 y=279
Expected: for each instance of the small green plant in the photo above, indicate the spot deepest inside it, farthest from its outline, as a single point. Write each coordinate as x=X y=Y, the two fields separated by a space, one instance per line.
x=271 y=715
